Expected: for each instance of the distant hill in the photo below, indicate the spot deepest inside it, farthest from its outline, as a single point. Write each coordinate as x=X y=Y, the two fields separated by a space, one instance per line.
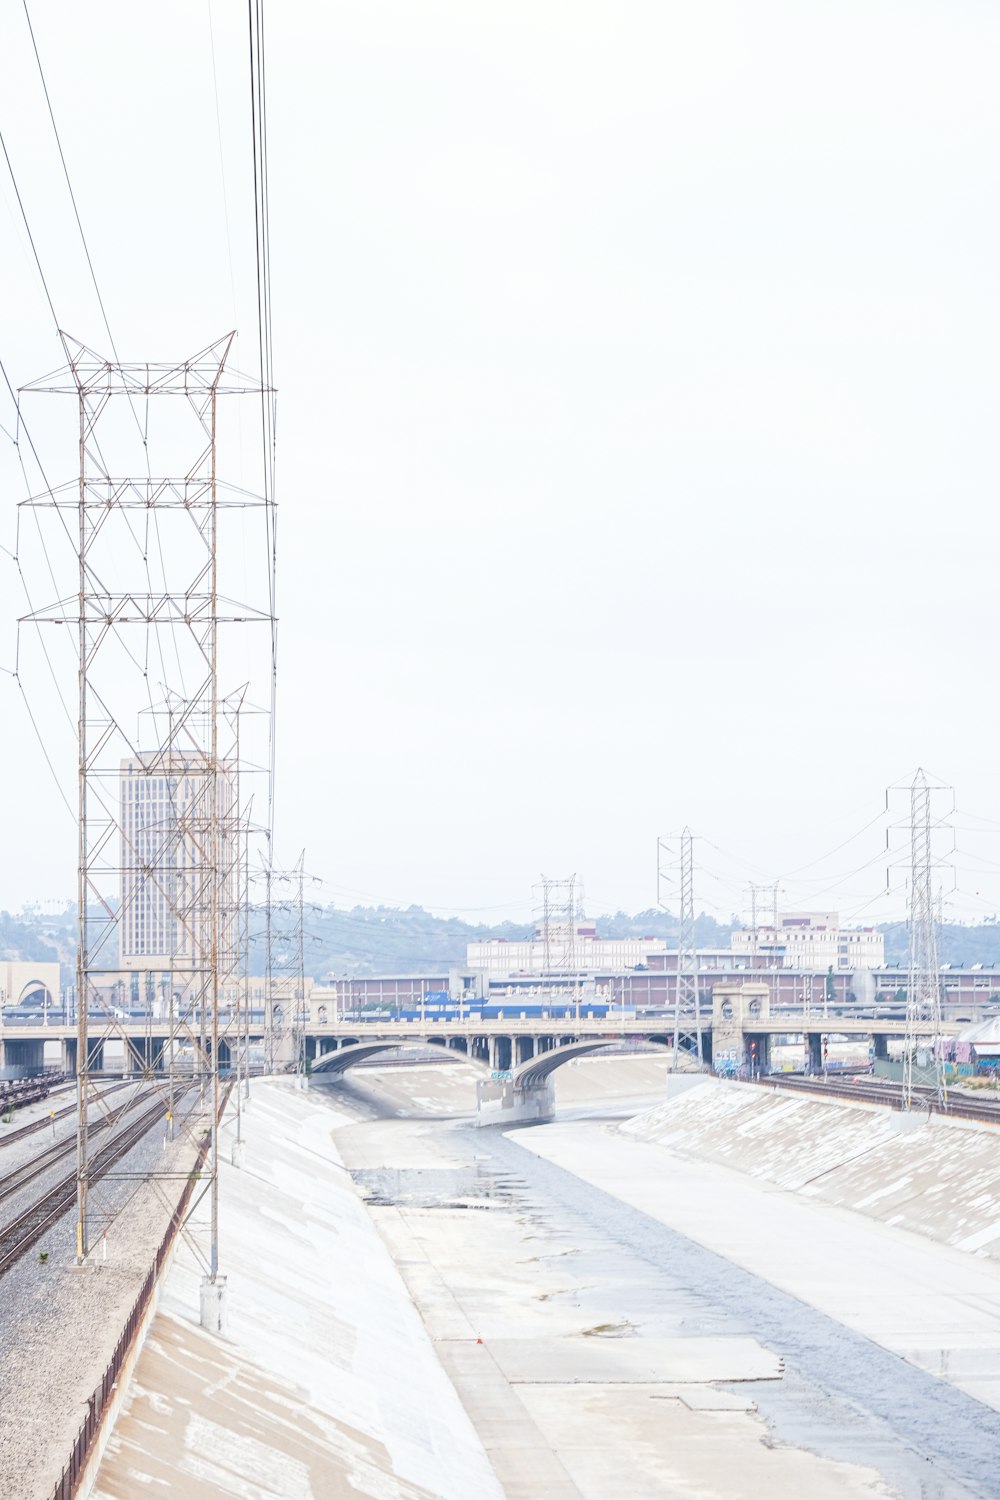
x=958 y=944
x=396 y=940
x=30 y=936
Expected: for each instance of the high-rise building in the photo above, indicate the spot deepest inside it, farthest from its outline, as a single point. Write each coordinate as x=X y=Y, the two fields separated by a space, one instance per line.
x=171 y=862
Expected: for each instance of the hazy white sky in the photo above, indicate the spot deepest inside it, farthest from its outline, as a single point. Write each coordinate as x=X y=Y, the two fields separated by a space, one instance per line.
x=636 y=434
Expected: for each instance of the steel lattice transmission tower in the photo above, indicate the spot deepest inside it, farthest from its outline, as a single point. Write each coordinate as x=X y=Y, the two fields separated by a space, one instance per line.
x=687 y=1004
x=162 y=809
x=761 y=897
x=285 y=1001
x=923 y=990
x=560 y=909
x=687 y=996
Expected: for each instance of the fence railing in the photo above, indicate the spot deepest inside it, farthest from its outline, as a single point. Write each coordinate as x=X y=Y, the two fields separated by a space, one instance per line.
x=97 y=1403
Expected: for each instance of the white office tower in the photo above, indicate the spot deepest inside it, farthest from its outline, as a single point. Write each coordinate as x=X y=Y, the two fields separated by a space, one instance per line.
x=174 y=852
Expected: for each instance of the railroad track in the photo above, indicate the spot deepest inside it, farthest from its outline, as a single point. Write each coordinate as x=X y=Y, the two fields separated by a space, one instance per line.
x=45 y=1121
x=21 y=1233
x=13 y=1182
x=959 y=1106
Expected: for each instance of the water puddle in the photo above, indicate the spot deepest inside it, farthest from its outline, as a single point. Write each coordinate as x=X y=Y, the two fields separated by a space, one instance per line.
x=475 y=1187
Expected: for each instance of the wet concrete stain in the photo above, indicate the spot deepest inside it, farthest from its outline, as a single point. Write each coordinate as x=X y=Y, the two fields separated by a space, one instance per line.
x=843 y=1396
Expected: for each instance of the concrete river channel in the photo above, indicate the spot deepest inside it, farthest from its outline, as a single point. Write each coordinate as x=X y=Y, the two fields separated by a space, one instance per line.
x=630 y=1278
x=423 y=1308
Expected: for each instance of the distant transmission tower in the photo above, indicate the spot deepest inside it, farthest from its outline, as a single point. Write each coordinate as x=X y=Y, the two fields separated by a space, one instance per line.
x=761 y=897
x=559 y=912
x=285 y=1004
x=923 y=990
x=687 y=1000
x=687 y=1005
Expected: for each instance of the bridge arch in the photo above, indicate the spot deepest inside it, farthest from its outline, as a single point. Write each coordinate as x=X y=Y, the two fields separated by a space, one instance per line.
x=542 y=1066
x=354 y=1052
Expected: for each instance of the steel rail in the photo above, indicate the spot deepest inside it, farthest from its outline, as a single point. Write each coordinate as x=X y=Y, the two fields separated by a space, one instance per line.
x=44 y=1121
x=21 y=1233
x=959 y=1105
x=19 y=1177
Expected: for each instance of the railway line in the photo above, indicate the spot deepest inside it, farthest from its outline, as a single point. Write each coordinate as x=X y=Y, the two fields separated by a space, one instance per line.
x=12 y=1182
x=18 y=1236
x=44 y=1122
x=959 y=1106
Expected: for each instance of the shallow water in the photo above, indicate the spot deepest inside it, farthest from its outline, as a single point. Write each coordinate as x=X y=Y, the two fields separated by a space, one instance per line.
x=841 y=1396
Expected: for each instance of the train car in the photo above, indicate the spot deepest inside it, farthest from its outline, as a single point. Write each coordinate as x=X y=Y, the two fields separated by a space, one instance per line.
x=560 y=1010
x=429 y=1013
x=16 y=1092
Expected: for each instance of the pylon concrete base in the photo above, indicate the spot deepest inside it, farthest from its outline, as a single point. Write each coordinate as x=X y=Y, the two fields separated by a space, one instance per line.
x=213 y=1304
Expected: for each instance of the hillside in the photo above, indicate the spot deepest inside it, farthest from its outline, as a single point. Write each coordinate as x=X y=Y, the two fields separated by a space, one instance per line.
x=394 y=940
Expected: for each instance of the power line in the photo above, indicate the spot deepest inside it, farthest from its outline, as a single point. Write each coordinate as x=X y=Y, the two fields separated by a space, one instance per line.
x=27 y=226
x=72 y=195
x=262 y=236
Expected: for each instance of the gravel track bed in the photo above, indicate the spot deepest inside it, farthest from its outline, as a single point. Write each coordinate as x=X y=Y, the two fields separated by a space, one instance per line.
x=59 y=1323
x=18 y=1153
x=57 y=1099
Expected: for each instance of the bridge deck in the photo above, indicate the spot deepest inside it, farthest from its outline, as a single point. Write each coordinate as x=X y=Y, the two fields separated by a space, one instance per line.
x=561 y=1025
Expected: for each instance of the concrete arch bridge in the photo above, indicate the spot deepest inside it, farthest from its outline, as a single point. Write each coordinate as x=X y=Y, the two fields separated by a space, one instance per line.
x=520 y=1085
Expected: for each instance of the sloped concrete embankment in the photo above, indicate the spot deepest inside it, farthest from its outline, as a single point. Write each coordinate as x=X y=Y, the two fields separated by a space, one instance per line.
x=326 y=1382
x=933 y=1176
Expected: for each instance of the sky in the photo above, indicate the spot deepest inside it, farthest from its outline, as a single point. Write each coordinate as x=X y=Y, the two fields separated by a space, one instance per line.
x=635 y=439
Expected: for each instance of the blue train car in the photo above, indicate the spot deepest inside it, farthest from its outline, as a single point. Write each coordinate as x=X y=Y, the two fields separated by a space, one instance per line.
x=516 y=1010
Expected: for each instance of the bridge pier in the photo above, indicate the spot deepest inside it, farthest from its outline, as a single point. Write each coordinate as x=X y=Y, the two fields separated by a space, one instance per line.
x=28 y=1057
x=524 y=1049
x=502 y=1102
x=880 y=1047
x=814 y=1052
x=500 y=1054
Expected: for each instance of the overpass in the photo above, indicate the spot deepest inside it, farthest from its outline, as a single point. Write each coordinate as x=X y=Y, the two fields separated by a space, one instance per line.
x=503 y=1044
x=523 y=1053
